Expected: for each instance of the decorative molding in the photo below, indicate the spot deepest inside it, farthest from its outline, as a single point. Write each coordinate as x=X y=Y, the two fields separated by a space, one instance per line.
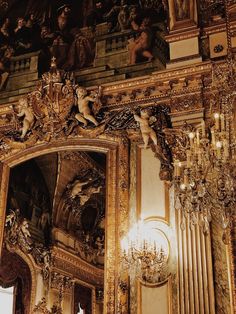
x=74 y=266
x=116 y=148
x=182 y=35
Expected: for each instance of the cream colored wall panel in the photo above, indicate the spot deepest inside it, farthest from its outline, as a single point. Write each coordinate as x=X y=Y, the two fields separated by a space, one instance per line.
x=184 y=48
x=152 y=188
x=155 y=299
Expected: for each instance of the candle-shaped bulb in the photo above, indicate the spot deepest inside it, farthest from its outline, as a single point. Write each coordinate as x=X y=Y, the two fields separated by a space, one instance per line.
x=198 y=138
x=213 y=138
x=222 y=122
x=191 y=136
x=217 y=117
x=178 y=169
x=203 y=129
x=188 y=158
x=218 y=149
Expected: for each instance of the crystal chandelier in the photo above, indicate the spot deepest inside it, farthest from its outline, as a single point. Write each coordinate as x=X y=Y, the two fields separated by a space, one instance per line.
x=205 y=182
x=143 y=255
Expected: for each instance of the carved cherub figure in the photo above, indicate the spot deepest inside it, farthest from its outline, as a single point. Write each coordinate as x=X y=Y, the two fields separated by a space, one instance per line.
x=146 y=130
x=26 y=112
x=83 y=100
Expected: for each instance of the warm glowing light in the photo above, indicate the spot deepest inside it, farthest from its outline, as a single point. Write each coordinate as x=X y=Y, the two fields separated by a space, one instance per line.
x=145 y=250
x=216 y=115
x=191 y=135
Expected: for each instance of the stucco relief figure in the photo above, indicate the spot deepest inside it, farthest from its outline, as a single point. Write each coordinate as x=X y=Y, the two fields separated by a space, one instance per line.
x=85 y=113
x=77 y=188
x=145 y=128
x=41 y=307
x=100 y=245
x=25 y=229
x=182 y=9
x=26 y=112
x=12 y=218
x=17 y=231
x=85 y=193
x=12 y=226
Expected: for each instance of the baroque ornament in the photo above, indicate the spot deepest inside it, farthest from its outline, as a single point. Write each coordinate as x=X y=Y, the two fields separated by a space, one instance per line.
x=59 y=109
x=41 y=308
x=17 y=235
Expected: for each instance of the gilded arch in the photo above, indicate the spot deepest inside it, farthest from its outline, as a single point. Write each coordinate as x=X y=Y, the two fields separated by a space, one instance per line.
x=116 y=150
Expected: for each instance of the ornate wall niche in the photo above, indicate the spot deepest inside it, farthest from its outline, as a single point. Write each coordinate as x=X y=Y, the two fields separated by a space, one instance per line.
x=116 y=150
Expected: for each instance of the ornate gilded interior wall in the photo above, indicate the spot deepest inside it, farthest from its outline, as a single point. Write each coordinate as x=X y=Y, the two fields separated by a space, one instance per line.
x=199 y=273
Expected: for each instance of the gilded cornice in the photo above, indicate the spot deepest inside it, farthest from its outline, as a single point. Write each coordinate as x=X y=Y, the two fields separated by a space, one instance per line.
x=219 y=27
x=74 y=266
x=182 y=35
x=158 y=78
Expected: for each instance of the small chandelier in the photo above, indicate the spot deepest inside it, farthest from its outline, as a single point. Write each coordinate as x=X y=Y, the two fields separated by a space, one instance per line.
x=143 y=255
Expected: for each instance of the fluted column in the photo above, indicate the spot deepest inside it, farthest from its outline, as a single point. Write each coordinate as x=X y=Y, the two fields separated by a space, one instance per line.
x=195 y=271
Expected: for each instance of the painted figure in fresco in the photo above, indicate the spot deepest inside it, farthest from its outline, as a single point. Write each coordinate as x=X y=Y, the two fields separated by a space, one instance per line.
x=62 y=41
x=81 y=52
x=83 y=100
x=182 y=9
x=95 y=13
x=146 y=130
x=123 y=16
x=142 y=44
x=63 y=18
x=27 y=113
x=119 y=16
